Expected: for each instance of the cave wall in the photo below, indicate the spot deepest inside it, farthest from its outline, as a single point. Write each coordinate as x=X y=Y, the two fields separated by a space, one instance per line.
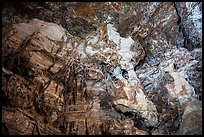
x=102 y=68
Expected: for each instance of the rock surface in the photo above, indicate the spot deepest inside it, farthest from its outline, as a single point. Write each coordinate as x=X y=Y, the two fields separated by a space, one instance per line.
x=101 y=68
x=191 y=23
x=192 y=119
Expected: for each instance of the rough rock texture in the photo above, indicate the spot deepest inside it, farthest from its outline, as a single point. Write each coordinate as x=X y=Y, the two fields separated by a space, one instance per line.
x=191 y=23
x=192 y=119
x=101 y=68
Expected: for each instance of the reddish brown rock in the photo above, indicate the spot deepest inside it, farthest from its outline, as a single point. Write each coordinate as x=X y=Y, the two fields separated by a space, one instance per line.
x=21 y=122
x=17 y=92
x=192 y=119
x=99 y=68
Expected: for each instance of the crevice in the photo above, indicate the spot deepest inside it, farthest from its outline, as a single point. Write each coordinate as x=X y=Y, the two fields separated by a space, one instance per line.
x=188 y=44
x=179 y=18
x=140 y=63
x=180 y=25
x=138 y=121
